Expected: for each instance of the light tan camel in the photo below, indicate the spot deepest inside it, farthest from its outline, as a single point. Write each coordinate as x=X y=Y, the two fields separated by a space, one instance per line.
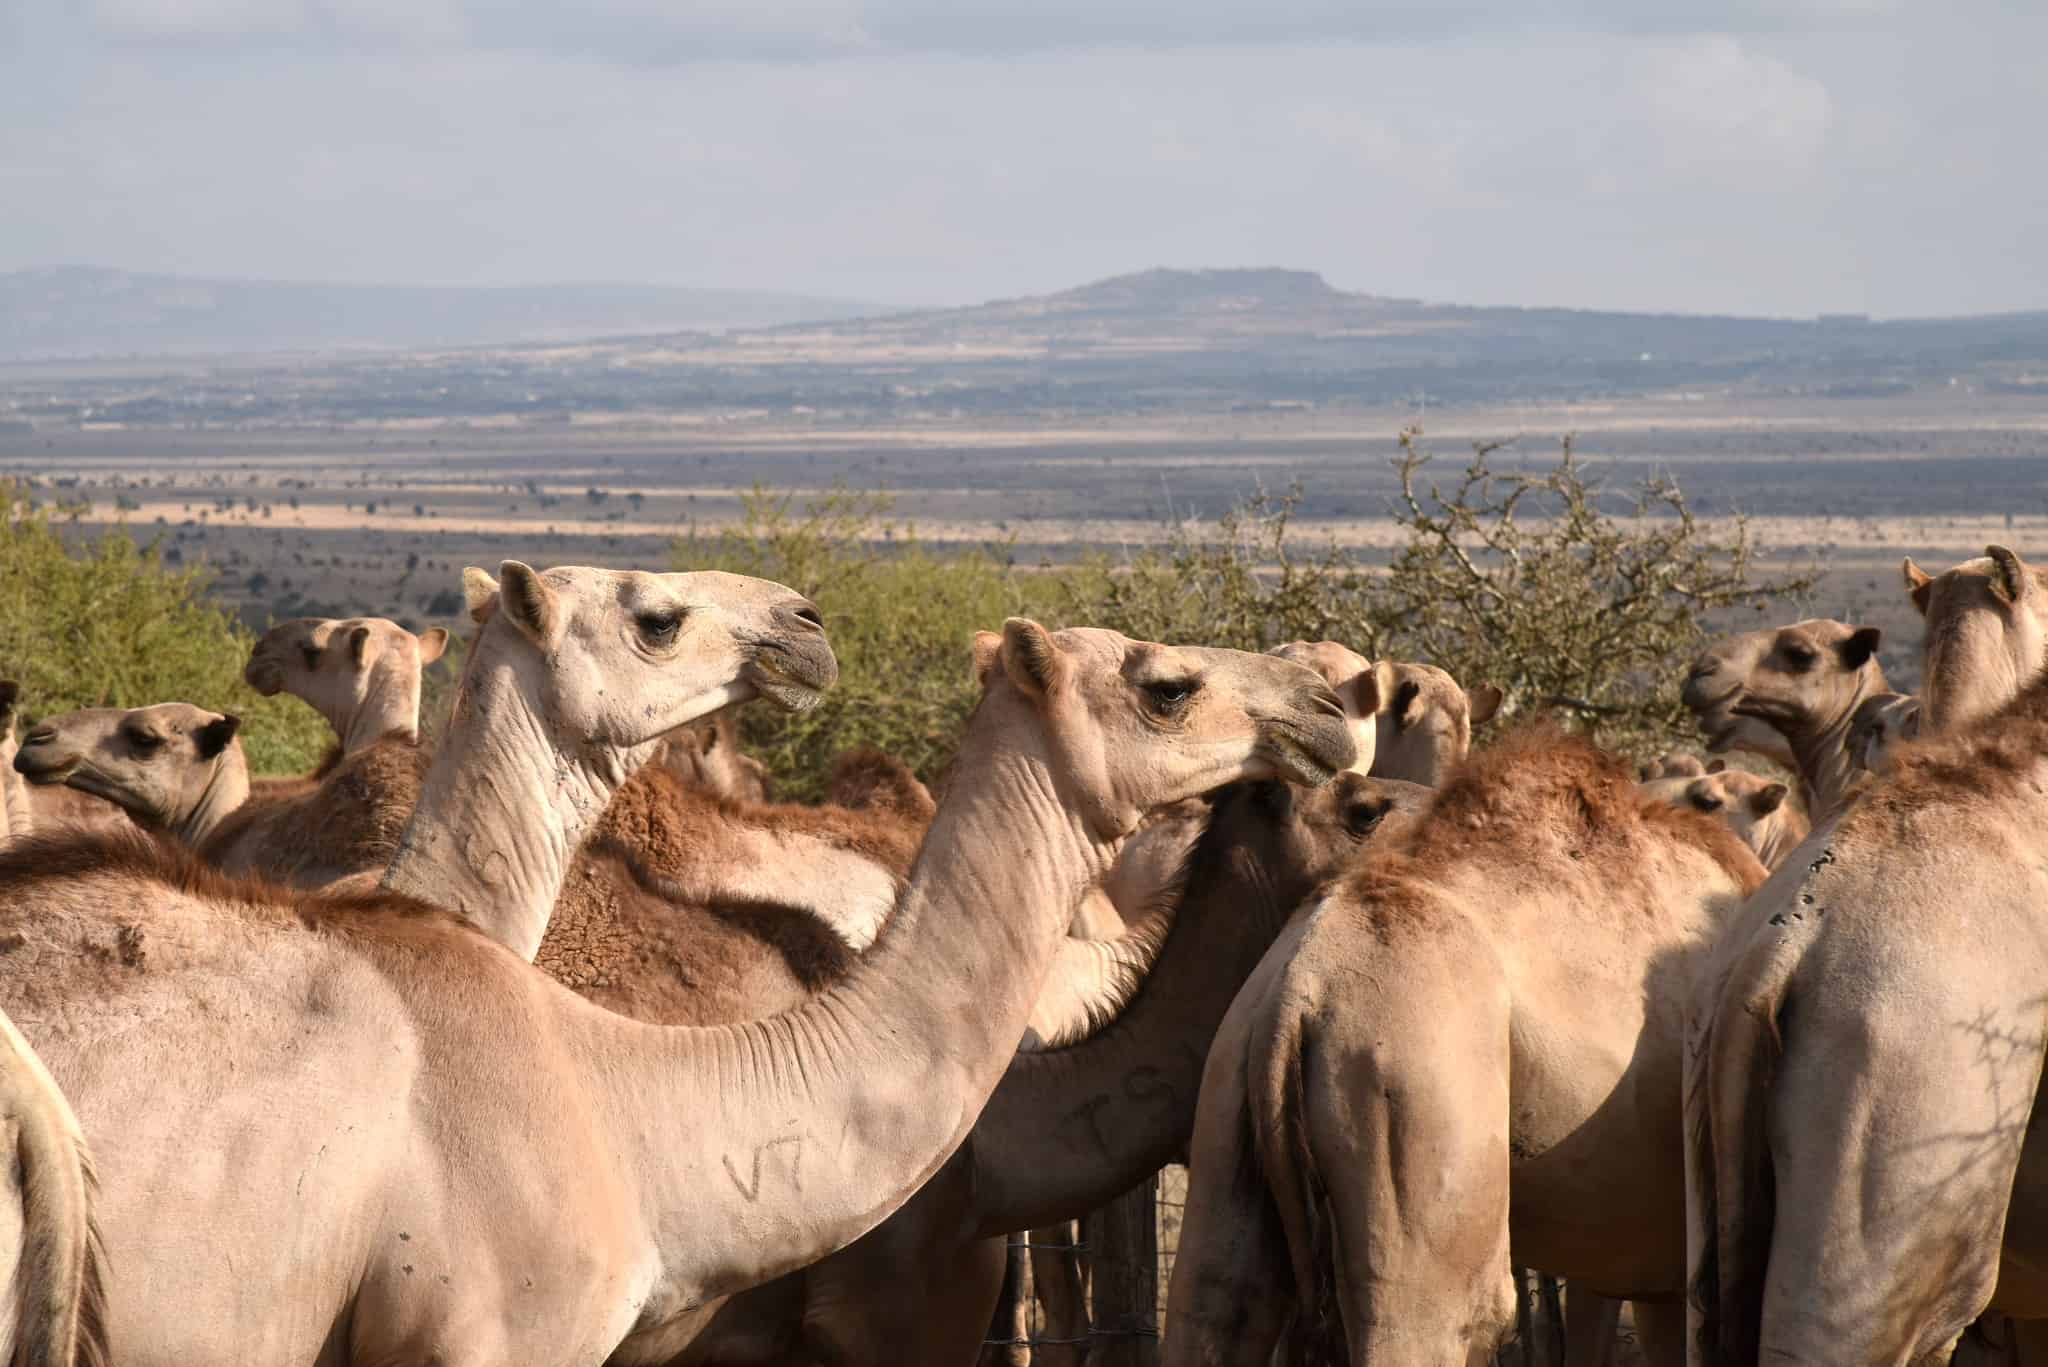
x=172 y=766
x=15 y=817
x=1475 y=1034
x=1749 y=804
x=1067 y=1130
x=1791 y=694
x=546 y=1181
x=1678 y=764
x=51 y=1264
x=1986 y=637
x=1882 y=722
x=361 y=673
x=1425 y=721
x=1867 y=1150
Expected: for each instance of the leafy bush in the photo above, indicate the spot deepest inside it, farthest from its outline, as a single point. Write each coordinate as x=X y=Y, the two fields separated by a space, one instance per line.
x=1536 y=580
x=105 y=623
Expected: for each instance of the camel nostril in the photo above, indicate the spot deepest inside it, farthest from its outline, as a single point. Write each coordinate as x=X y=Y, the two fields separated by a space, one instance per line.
x=1325 y=702
x=42 y=735
x=805 y=616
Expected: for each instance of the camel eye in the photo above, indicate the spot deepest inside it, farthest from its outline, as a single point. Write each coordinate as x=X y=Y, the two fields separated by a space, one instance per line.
x=145 y=743
x=1168 y=696
x=659 y=628
x=1361 y=817
x=312 y=654
x=1706 y=802
x=1800 y=657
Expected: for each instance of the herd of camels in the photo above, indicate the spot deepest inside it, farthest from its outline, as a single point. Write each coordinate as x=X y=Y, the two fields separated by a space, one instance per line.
x=557 y=1042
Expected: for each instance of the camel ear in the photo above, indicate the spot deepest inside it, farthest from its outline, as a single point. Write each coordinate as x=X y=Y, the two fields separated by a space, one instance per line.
x=1909 y=723
x=215 y=735
x=1861 y=645
x=1716 y=766
x=988 y=654
x=433 y=644
x=1769 y=799
x=1919 y=583
x=1403 y=708
x=481 y=593
x=10 y=693
x=359 y=645
x=2012 y=574
x=1485 y=700
x=1030 y=658
x=1360 y=694
x=529 y=602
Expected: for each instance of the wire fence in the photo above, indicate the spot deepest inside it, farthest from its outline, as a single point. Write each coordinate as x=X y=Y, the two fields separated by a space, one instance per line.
x=1092 y=1293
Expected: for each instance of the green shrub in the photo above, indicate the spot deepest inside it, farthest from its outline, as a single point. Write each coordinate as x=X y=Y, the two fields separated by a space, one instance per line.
x=105 y=623
x=1536 y=580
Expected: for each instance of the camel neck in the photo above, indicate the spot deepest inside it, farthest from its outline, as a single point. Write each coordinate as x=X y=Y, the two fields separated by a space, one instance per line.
x=227 y=788
x=1067 y=1130
x=503 y=809
x=1826 y=771
x=793 y=1135
x=390 y=702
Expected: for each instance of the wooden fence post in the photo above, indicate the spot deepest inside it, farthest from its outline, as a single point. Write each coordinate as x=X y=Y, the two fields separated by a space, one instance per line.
x=1123 y=1245
x=1010 y=1326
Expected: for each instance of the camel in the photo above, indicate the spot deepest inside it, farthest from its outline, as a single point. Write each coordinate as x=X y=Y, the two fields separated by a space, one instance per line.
x=1070 y=1128
x=361 y=673
x=707 y=755
x=1986 y=634
x=1474 y=1034
x=15 y=817
x=1751 y=805
x=1791 y=694
x=1678 y=764
x=172 y=767
x=1425 y=721
x=1882 y=722
x=1865 y=1139
x=439 y=1152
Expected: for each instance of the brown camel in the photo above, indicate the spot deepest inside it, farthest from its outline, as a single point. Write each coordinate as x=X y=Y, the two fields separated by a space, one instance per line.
x=1751 y=805
x=1475 y=1034
x=1986 y=637
x=1791 y=694
x=361 y=673
x=547 y=1181
x=1866 y=1146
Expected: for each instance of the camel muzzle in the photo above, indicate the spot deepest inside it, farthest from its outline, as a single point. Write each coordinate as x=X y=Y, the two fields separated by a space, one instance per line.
x=1312 y=745
x=794 y=668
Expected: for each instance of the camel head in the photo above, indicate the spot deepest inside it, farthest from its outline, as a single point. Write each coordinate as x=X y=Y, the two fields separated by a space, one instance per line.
x=1881 y=724
x=1752 y=806
x=706 y=754
x=1426 y=721
x=166 y=765
x=1352 y=678
x=1678 y=764
x=1312 y=833
x=348 y=668
x=1986 y=634
x=614 y=660
x=1763 y=690
x=1131 y=725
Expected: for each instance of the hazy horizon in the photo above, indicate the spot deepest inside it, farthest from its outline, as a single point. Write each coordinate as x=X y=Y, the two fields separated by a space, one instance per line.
x=1775 y=160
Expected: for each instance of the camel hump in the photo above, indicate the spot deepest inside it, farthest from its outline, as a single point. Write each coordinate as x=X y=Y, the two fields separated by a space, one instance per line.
x=60 y=1292
x=869 y=779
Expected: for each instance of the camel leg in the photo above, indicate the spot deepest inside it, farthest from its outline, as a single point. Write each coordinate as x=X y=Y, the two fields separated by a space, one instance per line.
x=1405 y=1111
x=1660 y=1329
x=1590 y=1322
x=1231 y=1293
x=1056 y=1278
x=1009 y=1328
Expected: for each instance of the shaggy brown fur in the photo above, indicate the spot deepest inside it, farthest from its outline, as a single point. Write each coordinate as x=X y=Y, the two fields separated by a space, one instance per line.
x=871 y=779
x=348 y=820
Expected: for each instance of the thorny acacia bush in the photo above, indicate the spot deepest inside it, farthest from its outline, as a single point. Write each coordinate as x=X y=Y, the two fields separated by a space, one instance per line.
x=1530 y=579
x=105 y=623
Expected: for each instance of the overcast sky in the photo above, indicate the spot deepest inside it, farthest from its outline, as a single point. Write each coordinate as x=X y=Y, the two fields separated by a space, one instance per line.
x=1768 y=156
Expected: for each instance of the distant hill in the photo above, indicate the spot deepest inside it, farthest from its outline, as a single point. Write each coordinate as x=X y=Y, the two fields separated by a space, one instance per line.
x=73 y=311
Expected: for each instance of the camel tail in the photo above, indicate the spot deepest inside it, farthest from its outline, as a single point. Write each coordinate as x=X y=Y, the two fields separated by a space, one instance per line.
x=1279 y=1124
x=60 y=1296
x=1735 y=1188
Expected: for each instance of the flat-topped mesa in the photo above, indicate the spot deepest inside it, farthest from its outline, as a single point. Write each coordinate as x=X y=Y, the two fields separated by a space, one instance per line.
x=659 y=1167
x=361 y=673
x=576 y=677
x=1790 y=694
x=1986 y=634
x=172 y=767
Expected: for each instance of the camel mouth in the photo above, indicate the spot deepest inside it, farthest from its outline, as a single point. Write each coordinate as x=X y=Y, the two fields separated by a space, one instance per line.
x=792 y=674
x=265 y=677
x=785 y=690
x=1296 y=759
x=45 y=775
